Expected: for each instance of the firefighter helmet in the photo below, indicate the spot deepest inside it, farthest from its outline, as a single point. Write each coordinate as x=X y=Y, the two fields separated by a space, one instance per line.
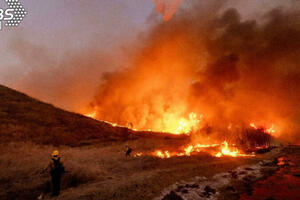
x=55 y=153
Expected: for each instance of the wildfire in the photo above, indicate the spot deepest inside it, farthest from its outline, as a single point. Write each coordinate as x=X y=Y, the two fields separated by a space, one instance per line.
x=139 y=154
x=253 y=125
x=270 y=130
x=94 y=114
x=227 y=151
x=172 y=124
x=188 y=150
x=91 y=115
x=185 y=125
x=223 y=150
x=162 y=154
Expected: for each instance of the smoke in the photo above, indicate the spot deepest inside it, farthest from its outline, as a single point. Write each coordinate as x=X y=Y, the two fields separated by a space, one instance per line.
x=167 y=7
x=65 y=81
x=207 y=59
x=62 y=62
x=210 y=61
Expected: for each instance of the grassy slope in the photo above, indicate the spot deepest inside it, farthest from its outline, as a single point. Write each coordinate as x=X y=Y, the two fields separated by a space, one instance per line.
x=23 y=118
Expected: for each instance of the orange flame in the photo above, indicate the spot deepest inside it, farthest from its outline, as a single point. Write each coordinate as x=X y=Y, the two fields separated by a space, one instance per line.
x=161 y=154
x=225 y=150
x=253 y=125
x=188 y=150
x=182 y=125
x=91 y=115
x=173 y=124
x=270 y=130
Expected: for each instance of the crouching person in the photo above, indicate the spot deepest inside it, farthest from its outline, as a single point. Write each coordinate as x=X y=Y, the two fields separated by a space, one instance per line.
x=56 y=169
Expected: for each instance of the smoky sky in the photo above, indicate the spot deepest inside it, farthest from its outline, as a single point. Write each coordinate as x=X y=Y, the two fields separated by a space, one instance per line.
x=74 y=54
x=211 y=60
x=61 y=48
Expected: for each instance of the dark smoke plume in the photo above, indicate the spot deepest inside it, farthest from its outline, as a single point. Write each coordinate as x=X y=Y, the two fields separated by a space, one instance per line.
x=211 y=62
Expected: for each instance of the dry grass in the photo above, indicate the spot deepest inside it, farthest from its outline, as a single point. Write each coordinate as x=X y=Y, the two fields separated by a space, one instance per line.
x=101 y=171
x=23 y=118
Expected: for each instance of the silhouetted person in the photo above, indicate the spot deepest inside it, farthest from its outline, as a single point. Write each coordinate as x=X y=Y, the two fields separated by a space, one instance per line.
x=128 y=151
x=57 y=169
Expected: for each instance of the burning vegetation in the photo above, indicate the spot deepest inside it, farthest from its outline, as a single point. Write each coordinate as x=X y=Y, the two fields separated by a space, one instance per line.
x=204 y=82
x=218 y=78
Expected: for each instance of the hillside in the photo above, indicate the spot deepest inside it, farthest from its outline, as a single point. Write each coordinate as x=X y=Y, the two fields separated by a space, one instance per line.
x=29 y=129
x=23 y=118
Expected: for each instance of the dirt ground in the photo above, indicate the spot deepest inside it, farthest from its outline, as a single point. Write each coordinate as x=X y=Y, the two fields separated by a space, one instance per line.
x=284 y=183
x=101 y=171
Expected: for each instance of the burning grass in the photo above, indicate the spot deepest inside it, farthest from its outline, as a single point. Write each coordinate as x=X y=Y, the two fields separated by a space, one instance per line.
x=102 y=171
x=244 y=141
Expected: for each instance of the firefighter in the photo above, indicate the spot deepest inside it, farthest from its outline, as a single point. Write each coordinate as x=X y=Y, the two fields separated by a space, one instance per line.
x=128 y=150
x=57 y=169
